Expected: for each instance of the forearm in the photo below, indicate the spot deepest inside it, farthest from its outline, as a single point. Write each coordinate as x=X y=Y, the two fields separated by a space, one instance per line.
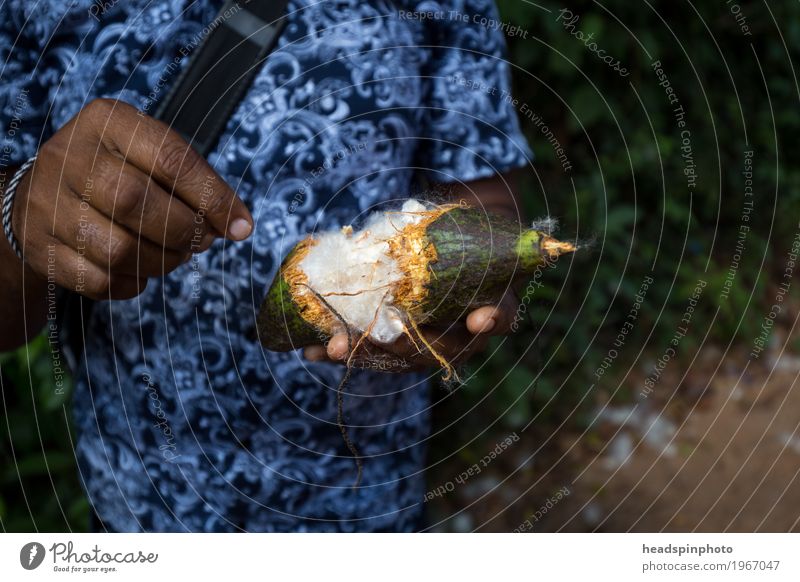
x=22 y=292
x=496 y=195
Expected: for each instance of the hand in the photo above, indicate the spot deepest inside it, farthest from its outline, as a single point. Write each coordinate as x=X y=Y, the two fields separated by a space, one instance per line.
x=455 y=344
x=116 y=197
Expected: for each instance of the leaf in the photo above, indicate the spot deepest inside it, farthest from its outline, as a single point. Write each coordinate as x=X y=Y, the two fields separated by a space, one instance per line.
x=51 y=462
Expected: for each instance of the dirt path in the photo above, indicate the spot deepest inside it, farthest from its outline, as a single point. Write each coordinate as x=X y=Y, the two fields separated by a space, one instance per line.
x=723 y=454
x=729 y=463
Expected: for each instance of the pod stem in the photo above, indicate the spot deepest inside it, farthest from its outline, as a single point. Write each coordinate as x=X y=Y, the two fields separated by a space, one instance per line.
x=535 y=247
x=552 y=248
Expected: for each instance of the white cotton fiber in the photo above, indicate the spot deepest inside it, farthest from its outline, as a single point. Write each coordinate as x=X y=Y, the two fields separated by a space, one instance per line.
x=355 y=274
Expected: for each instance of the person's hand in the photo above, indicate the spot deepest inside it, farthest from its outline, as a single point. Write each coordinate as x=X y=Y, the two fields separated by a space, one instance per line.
x=116 y=197
x=456 y=343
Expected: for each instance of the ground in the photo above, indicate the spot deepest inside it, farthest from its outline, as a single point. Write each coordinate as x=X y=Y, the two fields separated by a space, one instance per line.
x=719 y=453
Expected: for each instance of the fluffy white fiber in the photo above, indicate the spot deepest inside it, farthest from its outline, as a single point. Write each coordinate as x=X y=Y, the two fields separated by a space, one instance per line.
x=355 y=274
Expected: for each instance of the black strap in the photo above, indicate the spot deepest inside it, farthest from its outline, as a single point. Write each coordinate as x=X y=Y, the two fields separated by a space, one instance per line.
x=198 y=106
x=204 y=96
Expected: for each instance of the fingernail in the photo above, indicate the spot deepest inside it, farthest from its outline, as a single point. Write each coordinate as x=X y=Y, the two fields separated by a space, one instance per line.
x=240 y=229
x=336 y=351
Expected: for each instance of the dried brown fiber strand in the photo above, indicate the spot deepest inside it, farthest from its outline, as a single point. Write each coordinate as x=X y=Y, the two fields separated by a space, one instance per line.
x=340 y=392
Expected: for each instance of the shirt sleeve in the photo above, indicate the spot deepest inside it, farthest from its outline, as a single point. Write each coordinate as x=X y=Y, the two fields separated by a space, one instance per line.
x=469 y=126
x=24 y=101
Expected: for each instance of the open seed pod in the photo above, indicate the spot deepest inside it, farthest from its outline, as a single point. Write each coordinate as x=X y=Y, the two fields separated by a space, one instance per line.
x=422 y=264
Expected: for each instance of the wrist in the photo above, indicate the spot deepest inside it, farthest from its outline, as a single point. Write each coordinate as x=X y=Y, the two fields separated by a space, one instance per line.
x=7 y=206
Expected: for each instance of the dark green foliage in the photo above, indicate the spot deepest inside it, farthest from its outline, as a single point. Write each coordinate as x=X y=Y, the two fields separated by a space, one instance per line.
x=38 y=478
x=627 y=192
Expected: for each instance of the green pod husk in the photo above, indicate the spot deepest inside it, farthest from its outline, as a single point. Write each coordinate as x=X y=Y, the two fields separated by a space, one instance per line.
x=281 y=326
x=478 y=258
x=457 y=259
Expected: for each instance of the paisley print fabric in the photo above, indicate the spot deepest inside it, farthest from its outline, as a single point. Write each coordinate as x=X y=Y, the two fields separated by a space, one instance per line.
x=183 y=421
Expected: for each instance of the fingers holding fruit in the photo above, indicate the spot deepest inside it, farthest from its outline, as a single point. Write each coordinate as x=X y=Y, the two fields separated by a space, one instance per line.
x=404 y=284
x=117 y=197
x=455 y=345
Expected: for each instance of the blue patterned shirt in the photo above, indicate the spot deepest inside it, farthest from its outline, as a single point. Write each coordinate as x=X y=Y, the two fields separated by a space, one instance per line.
x=183 y=421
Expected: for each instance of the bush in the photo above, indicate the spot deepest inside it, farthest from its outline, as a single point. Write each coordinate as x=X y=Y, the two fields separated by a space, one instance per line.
x=627 y=192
